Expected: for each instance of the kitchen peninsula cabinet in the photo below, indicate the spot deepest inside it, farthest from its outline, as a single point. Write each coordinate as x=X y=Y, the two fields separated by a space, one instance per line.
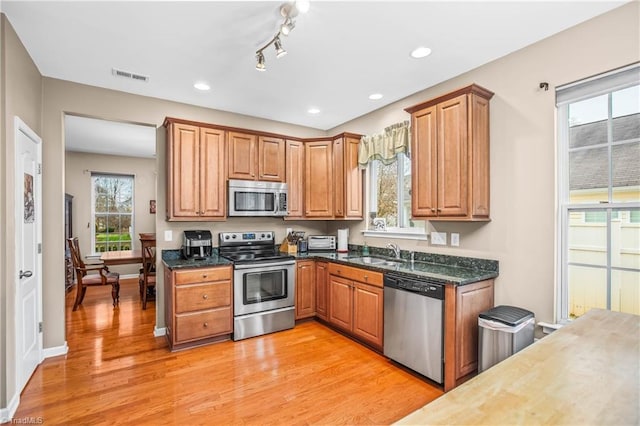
x=463 y=304
x=294 y=172
x=305 y=289
x=195 y=172
x=254 y=157
x=450 y=156
x=198 y=305
x=356 y=303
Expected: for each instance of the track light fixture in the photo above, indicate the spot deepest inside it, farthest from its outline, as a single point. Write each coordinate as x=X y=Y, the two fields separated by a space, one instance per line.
x=288 y=11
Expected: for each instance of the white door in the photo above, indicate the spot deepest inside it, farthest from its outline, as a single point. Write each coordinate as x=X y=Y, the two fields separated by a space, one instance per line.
x=28 y=207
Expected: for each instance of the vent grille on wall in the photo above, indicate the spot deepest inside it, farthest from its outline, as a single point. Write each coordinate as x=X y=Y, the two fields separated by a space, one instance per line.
x=127 y=74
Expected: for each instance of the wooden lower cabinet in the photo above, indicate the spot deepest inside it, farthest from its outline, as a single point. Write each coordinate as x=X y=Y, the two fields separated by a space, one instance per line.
x=463 y=304
x=322 y=290
x=198 y=305
x=356 y=303
x=305 y=289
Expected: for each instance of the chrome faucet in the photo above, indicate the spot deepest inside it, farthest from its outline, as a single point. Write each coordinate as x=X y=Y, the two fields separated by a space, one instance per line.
x=395 y=248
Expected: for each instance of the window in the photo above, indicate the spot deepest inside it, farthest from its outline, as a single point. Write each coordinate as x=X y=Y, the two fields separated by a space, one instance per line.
x=112 y=212
x=599 y=194
x=390 y=196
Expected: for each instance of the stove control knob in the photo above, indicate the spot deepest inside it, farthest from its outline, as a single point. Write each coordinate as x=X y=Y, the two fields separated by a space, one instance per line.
x=263 y=236
x=226 y=237
x=234 y=236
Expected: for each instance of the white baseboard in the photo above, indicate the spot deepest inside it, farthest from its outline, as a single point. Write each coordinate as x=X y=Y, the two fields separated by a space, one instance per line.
x=159 y=332
x=6 y=414
x=125 y=276
x=56 y=351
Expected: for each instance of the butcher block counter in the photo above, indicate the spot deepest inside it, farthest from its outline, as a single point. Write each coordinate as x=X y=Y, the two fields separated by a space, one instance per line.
x=585 y=373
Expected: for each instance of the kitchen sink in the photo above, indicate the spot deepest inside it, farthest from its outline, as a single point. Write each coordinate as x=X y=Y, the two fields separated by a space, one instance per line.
x=370 y=260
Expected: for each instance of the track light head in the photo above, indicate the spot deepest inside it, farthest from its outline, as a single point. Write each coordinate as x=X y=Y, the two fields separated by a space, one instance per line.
x=260 y=66
x=287 y=26
x=280 y=52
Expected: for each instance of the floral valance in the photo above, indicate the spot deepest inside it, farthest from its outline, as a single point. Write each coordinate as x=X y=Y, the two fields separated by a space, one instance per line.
x=386 y=145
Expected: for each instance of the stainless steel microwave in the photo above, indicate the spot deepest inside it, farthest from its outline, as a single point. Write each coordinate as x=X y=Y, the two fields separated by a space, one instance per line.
x=257 y=198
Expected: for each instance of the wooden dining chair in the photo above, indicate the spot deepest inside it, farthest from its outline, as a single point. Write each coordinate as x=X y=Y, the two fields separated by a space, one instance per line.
x=86 y=279
x=148 y=275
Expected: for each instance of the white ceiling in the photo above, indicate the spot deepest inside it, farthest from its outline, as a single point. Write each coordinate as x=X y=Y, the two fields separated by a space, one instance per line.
x=339 y=53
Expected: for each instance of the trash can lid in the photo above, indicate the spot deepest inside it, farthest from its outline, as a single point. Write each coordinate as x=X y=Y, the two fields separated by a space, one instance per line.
x=509 y=315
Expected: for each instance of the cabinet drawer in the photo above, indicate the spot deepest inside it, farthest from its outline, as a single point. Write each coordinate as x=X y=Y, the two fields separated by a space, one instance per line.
x=356 y=274
x=196 y=297
x=200 y=275
x=203 y=324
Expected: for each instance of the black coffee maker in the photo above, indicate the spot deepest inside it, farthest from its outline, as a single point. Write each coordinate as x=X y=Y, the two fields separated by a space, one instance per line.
x=196 y=244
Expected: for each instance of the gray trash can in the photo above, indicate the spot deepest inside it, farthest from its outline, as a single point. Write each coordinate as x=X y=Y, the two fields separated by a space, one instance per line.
x=503 y=331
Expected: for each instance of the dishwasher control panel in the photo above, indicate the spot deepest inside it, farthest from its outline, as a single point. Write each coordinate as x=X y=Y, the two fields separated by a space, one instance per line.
x=424 y=287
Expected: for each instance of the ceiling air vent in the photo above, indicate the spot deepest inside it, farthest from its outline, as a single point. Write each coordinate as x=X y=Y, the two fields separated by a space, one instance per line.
x=127 y=74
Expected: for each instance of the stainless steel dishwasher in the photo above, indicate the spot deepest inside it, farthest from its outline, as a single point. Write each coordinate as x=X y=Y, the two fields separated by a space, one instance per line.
x=413 y=324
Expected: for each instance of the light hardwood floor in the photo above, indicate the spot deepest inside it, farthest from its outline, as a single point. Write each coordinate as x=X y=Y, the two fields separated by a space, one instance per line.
x=116 y=372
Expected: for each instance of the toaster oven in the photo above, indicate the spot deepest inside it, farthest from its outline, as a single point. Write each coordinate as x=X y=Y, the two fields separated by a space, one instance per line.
x=321 y=242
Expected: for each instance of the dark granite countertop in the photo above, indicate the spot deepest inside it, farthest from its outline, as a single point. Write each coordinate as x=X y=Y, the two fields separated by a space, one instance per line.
x=450 y=269
x=173 y=260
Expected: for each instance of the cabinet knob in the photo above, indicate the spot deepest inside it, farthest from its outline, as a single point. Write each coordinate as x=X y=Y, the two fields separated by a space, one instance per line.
x=439 y=210
x=366 y=277
x=205 y=325
x=205 y=297
x=204 y=275
x=433 y=209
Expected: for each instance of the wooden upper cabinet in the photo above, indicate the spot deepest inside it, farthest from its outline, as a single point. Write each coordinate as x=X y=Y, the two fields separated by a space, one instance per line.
x=294 y=172
x=254 y=157
x=450 y=156
x=271 y=159
x=242 y=156
x=338 y=177
x=353 y=180
x=195 y=172
x=318 y=180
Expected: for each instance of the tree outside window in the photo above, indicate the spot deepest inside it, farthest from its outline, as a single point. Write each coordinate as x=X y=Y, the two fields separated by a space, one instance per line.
x=112 y=215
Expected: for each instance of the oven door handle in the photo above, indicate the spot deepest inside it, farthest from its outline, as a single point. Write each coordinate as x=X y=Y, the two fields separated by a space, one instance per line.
x=264 y=265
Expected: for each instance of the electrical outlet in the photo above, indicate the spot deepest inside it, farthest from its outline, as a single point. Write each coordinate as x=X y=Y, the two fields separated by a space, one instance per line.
x=168 y=235
x=439 y=238
x=455 y=239
x=289 y=230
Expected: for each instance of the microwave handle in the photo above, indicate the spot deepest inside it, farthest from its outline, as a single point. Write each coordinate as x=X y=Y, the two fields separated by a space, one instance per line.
x=276 y=204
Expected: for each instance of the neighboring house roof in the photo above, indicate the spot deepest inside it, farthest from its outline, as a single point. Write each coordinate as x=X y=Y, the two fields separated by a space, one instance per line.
x=588 y=168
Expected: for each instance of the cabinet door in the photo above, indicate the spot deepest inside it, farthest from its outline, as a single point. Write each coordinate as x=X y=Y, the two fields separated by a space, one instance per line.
x=305 y=289
x=367 y=313
x=352 y=180
x=271 y=159
x=321 y=290
x=242 y=156
x=295 y=178
x=453 y=175
x=479 y=142
x=212 y=170
x=318 y=182
x=424 y=189
x=338 y=177
x=183 y=171
x=340 y=302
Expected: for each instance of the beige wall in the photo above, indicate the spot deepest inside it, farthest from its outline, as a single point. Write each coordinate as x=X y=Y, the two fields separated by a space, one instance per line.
x=78 y=168
x=521 y=234
x=21 y=96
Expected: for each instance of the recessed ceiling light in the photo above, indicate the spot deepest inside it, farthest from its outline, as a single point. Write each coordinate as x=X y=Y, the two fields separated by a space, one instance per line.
x=313 y=111
x=420 y=52
x=202 y=86
x=375 y=96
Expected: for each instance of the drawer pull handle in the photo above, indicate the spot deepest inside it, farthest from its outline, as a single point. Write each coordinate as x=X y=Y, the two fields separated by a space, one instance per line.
x=366 y=277
x=205 y=325
x=205 y=297
x=204 y=275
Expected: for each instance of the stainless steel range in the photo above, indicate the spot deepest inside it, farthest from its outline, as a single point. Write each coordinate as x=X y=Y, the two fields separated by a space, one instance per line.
x=263 y=283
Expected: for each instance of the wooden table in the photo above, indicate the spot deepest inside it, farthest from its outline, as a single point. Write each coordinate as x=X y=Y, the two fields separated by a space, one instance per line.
x=122 y=257
x=585 y=373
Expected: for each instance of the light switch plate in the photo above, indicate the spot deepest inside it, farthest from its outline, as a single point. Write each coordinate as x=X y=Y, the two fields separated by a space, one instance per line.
x=455 y=239
x=439 y=238
x=168 y=235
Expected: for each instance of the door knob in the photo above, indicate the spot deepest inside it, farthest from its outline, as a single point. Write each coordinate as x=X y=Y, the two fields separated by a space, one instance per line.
x=25 y=274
